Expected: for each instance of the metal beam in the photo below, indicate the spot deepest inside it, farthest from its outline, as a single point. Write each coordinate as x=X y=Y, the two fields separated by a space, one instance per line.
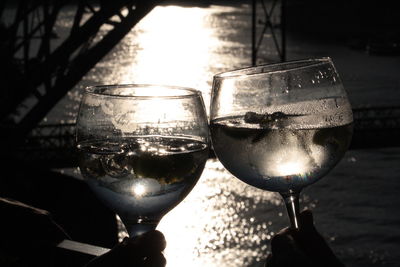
x=257 y=39
x=60 y=69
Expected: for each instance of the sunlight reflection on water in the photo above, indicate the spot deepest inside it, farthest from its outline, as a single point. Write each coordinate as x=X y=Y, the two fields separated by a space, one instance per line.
x=177 y=46
x=222 y=222
x=182 y=46
x=216 y=225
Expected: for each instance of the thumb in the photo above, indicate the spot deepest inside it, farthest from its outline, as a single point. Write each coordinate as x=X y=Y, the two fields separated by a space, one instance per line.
x=306 y=220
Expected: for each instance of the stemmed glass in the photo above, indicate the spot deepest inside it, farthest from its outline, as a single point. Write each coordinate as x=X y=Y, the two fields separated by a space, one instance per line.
x=281 y=127
x=142 y=148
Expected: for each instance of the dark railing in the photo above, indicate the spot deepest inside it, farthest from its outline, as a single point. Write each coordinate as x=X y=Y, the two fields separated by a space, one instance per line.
x=271 y=20
x=54 y=145
x=377 y=118
x=51 y=145
x=376 y=127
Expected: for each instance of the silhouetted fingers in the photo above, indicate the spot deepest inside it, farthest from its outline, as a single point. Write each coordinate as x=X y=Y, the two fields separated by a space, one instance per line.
x=308 y=237
x=269 y=261
x=148 y=243
x=282 y=242
x=285 y=251
x=155 y=260
x=306 y=219
x=145 y=250
x=313 y=243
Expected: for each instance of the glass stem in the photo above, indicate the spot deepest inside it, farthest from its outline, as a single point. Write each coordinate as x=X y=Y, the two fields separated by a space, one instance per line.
x=138 y=227
x=292 y=206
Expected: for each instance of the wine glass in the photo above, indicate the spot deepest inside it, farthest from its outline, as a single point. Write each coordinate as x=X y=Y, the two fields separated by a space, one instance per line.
x=281 y=127
x=142 y=148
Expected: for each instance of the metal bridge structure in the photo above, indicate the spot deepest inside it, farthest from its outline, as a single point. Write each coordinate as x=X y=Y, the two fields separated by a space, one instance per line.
x=268 y=17
x=40 y=73
x=55 y=144
x=373 y=126
x=37 y=74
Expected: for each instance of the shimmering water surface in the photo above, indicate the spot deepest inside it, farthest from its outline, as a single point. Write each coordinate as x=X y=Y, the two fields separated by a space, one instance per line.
x=224 y=222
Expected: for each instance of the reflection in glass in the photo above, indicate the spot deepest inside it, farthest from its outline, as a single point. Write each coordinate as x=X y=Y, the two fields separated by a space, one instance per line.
x=283 y=127
x=142 y=148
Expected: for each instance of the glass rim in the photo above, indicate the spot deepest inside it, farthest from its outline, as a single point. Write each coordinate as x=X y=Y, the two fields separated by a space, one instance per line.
x=263 y=68
x=186 y=92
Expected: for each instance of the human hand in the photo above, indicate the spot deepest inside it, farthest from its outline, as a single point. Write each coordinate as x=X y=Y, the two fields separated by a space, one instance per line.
x=303 y=247
x=145 y=250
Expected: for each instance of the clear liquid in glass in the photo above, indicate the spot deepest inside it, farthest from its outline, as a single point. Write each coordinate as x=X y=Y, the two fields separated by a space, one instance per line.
x=273 y=155
x=142 y=178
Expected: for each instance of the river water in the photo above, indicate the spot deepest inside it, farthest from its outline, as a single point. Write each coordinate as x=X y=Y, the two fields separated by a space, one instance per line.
x=224 y=222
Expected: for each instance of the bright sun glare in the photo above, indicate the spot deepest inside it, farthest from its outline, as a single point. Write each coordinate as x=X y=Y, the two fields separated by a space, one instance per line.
x=138 y=190
x=174 y=48
x=290 y=168
x=177 y=46
x=292 y=162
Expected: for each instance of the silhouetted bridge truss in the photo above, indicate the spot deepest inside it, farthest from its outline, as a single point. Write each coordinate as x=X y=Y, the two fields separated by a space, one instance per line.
x=51 y=145
x=36 y=74
x=54 y=145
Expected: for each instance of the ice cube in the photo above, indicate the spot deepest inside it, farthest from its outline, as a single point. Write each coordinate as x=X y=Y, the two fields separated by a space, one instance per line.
x=116 y=165
x=265 y=120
